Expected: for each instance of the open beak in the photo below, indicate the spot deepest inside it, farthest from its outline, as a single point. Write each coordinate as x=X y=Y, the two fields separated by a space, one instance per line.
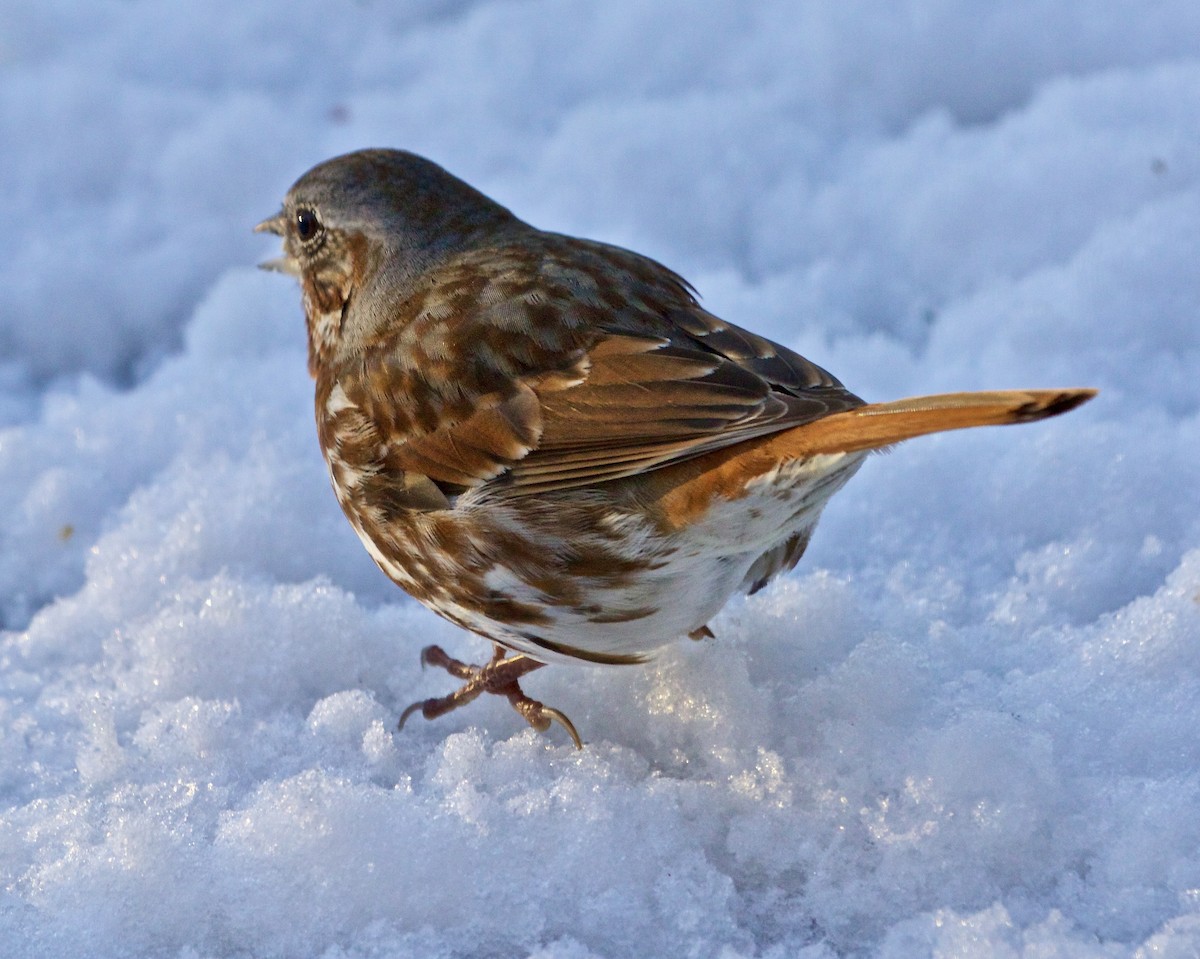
x=281 y=264
x=277 y=224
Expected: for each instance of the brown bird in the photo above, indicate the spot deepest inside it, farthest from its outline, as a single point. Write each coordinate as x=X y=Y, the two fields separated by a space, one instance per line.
x=547 y=440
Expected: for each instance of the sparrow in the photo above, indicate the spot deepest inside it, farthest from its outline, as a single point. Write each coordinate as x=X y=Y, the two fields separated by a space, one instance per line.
x=546 y=439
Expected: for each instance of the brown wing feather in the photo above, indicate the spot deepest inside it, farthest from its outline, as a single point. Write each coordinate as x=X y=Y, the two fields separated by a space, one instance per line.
x=783 y=368
x=601 y=380
x=643 y=406
x=479 y=448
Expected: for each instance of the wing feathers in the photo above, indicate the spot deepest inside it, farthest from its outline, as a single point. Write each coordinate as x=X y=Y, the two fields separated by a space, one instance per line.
x=648 y=403
x=480 y=447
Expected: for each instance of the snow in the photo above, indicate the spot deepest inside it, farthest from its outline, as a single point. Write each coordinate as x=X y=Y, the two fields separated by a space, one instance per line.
x=965 y=726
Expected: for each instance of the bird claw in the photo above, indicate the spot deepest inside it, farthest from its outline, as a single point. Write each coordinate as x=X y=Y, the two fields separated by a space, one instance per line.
x=561 y=718
x=500 y=677
x=409 y=710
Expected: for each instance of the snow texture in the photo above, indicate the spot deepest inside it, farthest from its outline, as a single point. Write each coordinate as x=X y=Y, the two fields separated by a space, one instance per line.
x=966 y=726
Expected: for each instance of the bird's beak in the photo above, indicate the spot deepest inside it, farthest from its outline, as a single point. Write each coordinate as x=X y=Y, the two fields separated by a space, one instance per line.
x=277 y=224
x=281 y=264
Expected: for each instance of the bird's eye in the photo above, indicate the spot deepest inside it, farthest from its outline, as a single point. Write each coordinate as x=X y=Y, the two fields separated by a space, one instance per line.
x=307 y=224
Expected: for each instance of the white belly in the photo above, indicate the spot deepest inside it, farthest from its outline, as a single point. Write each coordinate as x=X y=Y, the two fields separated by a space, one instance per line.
x=697 y=569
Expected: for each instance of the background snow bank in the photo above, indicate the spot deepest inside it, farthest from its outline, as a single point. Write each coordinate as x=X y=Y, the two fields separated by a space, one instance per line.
x=966 y=726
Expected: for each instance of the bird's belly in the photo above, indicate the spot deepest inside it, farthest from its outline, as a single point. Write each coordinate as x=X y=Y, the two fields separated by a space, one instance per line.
x=772 y=506
x=576 y=576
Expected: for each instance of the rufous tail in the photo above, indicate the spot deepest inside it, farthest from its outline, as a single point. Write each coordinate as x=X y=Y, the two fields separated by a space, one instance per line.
x=686 y=490
x=882 y=424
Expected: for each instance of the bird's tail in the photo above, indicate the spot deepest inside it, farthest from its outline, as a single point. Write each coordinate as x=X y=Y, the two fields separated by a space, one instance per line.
x=686 y=490
x=877 y=425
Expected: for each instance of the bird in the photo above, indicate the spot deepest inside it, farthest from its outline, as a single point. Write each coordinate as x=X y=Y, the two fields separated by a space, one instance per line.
x=547 y=440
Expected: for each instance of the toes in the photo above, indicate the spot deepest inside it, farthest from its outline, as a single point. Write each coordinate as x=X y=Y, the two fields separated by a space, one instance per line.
x=432 y=656
x=500 y=677
x=541 y=717
x=438 y=657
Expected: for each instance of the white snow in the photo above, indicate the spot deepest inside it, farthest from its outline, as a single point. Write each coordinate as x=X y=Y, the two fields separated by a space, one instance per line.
x=967 y=726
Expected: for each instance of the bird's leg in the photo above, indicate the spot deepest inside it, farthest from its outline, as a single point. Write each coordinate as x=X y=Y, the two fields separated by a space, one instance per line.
x=500 y=676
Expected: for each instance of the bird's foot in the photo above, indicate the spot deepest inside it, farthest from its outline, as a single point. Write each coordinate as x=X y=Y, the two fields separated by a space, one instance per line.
x=501 y=677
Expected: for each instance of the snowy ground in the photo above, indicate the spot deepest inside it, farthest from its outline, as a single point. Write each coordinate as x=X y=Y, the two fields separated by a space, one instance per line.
x=966 y=726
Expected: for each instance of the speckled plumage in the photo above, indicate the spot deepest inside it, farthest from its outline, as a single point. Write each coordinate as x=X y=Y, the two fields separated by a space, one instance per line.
x=546 y=439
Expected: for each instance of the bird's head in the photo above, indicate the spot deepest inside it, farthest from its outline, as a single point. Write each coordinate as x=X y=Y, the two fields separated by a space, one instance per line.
x=373 y=220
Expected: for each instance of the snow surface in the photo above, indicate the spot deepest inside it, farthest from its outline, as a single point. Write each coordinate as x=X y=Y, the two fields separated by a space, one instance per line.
x=968 y=725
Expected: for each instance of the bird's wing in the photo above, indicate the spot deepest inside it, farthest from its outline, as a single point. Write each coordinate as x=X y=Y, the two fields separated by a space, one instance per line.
x=648 y=402
x=562 y=385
